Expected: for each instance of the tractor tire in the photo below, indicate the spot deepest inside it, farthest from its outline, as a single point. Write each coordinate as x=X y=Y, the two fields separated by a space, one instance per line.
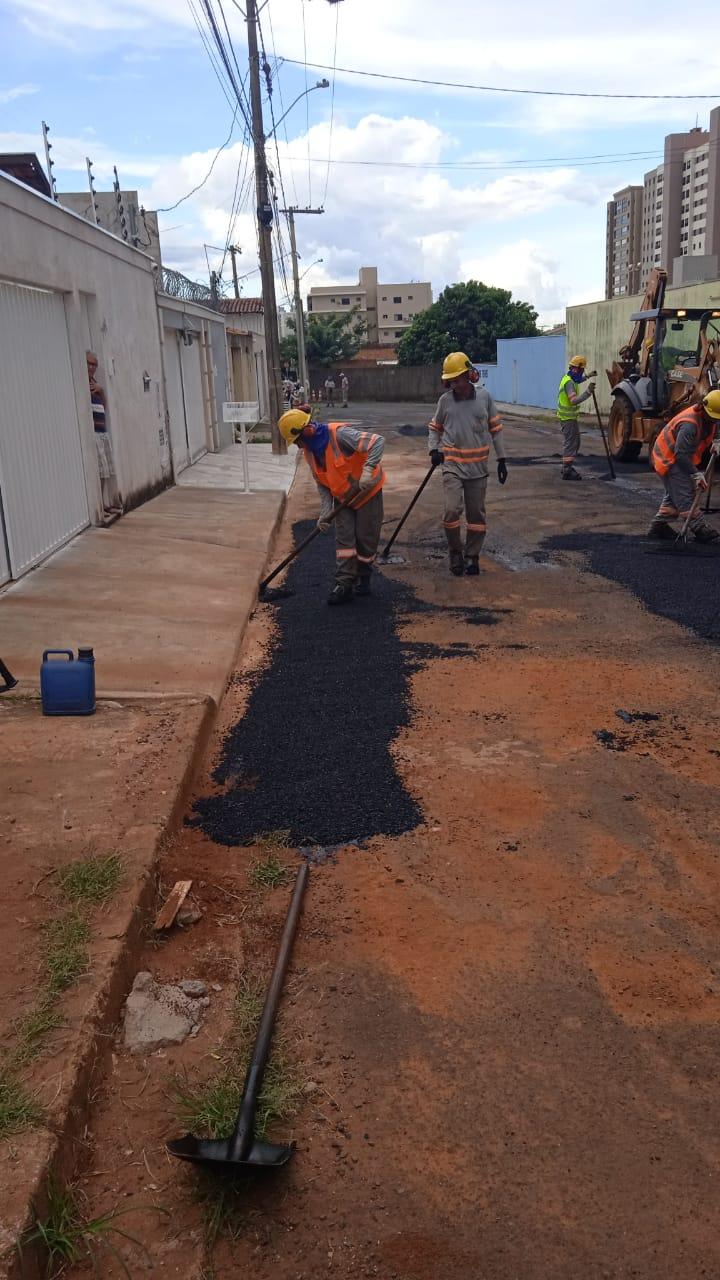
x=622 y=448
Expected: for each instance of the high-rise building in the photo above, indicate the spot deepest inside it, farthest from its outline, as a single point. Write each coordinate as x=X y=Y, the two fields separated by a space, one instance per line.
x=622 y=244
x=387 y=310
x=679 y=214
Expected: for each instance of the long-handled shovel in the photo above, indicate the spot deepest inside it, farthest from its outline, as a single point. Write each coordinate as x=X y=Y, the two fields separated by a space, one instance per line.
x=8 y=678
x=608 y=455
x=302 y=545
x=398 y=527
x=683 y=534
x=242 y=1148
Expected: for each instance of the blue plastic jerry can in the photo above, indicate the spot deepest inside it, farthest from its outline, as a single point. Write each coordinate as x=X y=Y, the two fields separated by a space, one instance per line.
x=67 y=683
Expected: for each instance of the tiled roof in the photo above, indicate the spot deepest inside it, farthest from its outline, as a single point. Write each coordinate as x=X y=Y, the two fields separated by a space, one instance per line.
x=241 y=306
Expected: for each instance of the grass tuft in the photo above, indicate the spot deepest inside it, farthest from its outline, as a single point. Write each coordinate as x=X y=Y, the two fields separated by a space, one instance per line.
x=18 y=1111
x=65 y=951
x=270 y=872
x=31 y=1030
x=279 y=839
x=210 y=1108
x=92 y=880
x=66 y=1237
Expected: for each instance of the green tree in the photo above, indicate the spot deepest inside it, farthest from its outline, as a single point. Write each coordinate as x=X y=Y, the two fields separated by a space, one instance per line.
x=288 y=350
x=333 y=338
x=467 y=317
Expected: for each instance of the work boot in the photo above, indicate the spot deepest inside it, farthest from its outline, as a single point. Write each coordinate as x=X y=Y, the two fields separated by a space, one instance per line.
x=705 y=533
x=457 y=563
x=472 y=568
x=569 y=473
x=340 y=594
x=661 y=530
x=362 y=585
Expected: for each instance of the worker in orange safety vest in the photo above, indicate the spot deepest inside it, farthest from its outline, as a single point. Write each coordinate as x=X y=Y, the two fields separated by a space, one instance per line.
x=346 y=462
x=676 y=457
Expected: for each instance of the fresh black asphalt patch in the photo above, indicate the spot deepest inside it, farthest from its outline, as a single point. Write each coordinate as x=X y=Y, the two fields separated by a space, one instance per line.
x=311 y=756
x=680 y=584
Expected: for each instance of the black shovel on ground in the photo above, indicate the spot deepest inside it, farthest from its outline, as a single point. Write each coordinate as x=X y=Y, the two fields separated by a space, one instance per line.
x=242 y=1149
x=283 y=591
x=403 y=518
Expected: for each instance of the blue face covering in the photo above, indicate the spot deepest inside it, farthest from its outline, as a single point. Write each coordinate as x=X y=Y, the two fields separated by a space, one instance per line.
x=576 y=374
x=317 y=443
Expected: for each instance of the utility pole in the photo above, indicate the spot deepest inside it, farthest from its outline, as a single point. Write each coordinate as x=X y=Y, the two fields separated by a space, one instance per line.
x=235 y=248
x=299 y=315
x=265 y=217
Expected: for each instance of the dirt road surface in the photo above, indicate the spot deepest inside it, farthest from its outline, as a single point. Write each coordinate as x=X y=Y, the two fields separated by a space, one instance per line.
x=503 y=1010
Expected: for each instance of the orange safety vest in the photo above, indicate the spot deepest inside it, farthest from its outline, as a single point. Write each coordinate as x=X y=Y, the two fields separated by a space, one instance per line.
x=340 y=470
x=664 y=452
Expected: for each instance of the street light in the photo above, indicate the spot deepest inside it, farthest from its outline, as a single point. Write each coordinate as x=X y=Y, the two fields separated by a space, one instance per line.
x=321 y=84
x=312 y=264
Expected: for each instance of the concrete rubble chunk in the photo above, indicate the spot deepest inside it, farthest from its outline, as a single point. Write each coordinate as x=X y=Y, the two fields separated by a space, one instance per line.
x=159 y=1014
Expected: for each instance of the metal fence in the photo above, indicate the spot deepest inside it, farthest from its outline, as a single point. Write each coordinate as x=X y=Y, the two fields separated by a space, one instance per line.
x=177 y=285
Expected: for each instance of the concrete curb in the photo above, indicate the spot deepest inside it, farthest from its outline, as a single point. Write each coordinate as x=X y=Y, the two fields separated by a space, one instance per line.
x=60 y=1152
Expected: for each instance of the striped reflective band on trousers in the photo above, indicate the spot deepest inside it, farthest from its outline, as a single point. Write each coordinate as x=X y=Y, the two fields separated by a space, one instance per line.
x=349 y=554
x=476 y=528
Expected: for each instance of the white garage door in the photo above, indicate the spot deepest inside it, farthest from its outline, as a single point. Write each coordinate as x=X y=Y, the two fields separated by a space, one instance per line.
x=185 y=400
x=194 y=409
x=42 y=480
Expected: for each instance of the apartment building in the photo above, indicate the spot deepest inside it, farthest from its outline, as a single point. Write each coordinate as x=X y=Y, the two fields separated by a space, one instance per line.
x=679 y=218
x=386 y=309
x=623 y=242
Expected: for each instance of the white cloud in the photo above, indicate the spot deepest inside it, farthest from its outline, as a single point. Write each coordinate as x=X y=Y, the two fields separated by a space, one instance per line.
x=531 y=273
x=70 y=153
x=17 y=91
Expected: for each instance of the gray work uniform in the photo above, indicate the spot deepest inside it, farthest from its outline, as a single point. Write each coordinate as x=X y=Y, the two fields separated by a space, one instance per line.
x=678 y=482
x=357 y=531
x=464 y=430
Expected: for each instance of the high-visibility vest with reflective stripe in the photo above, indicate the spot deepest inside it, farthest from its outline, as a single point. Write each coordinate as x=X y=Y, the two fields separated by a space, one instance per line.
x=664 y=454
x=339 y=470
x=566 y=410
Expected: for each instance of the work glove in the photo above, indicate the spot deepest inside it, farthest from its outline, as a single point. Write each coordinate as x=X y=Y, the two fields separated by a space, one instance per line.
x=324 y=523
x=591 y=387
x=352 y=491
x=437 y=457
x=592 y=373
x=367 y=479
x=699 y=481
x=502 y=470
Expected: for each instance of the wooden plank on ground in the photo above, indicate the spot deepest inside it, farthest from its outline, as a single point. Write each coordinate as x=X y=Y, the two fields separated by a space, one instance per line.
x=172 y=904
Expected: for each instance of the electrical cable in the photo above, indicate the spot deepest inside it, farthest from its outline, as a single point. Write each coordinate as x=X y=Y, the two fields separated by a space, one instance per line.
x=332 y=107
x=491 y=88
x=502 y=166
x=307 y=103
x=212 y=56
x=169 y=208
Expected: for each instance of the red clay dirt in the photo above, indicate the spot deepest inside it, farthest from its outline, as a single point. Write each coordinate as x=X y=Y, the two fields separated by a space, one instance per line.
x=505 y=1022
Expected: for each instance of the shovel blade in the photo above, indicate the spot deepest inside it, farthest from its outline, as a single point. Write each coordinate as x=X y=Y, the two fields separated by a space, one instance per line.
x=215 y=1153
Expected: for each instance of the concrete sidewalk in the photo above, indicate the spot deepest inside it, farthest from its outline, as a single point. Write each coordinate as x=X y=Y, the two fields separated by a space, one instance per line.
x=163 y=597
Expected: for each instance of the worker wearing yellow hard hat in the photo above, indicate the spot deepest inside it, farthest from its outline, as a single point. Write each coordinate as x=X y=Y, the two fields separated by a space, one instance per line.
x=677 y=455
x=568 y=413
x=346 y=463
x=464 y=425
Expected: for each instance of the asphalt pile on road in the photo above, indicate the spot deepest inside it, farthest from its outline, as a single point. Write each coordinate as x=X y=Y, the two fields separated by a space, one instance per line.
x=681 y=584
x=311 y=755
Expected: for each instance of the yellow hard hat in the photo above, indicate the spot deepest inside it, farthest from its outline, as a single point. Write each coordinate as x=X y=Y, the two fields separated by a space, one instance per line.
x=455 y=364
x=578 y=362
x=292 y=423
x=711 y=404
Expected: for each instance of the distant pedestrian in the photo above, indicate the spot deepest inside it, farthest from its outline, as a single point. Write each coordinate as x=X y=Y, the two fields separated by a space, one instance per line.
x=344 y=387
x=464 y=423
x=344 y=461
x=568 y=412
x=330 y=391
x=103 y=446
x=677 y=457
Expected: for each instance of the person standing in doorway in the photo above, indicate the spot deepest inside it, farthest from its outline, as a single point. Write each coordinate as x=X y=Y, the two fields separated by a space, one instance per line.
x=464 y=424
x=344 y=387
x=106 y=463
x=330 y=391
x=568 y=412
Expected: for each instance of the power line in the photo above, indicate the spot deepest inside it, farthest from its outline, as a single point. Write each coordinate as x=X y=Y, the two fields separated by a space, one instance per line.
x=169 y=208
x=307 y=102
x=494 y=88
x=212 y=57
x=332 y=107
x=478 y=166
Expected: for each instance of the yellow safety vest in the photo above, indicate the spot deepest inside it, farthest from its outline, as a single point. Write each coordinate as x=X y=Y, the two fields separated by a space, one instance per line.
x=566 y=410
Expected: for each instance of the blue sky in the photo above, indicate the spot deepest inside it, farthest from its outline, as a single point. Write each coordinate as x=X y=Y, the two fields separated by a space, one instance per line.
x=129 y=82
